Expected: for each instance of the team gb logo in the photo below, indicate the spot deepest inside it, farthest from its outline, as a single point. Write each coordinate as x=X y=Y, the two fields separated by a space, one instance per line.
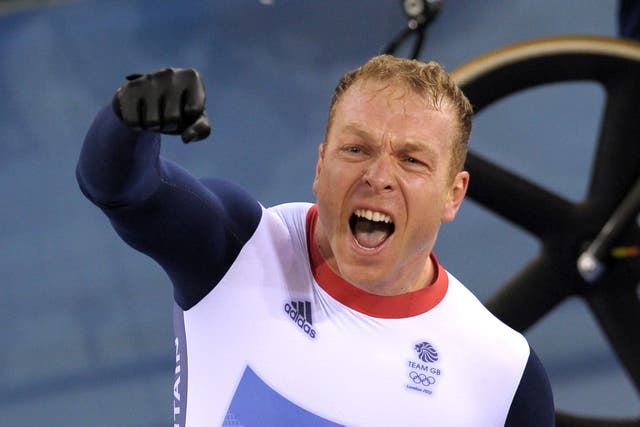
x=426 y=352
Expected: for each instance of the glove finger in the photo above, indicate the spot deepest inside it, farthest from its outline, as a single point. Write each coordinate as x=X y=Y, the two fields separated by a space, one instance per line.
x=130 y=111
x=170 y=114
x=127 y=103
x=199 y=130
x=141 y=113
x=154 y=87
x=160 y=100
x=193 y=98
x=179 y=82
x=152 y=112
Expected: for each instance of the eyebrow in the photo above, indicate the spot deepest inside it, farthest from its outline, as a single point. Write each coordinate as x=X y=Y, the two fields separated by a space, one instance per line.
x=412 y=146
x=408 y=146
x=356 y=129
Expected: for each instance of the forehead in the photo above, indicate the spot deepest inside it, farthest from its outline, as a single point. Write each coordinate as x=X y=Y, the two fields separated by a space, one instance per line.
x=393 y=92
x=392 y=108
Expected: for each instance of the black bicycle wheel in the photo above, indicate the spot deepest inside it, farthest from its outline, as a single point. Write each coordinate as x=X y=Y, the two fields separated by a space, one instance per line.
x=553 y=275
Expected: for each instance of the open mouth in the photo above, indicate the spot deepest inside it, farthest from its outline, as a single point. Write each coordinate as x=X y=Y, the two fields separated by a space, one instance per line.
x=370 y=228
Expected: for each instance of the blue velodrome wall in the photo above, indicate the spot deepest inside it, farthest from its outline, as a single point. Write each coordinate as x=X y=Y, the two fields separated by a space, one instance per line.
x=86 y=321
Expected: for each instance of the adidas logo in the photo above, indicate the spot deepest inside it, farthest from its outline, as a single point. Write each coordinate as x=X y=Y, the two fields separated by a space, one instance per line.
x=300 y=313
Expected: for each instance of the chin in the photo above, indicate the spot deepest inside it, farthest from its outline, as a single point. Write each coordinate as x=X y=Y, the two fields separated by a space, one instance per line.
x=364 y=280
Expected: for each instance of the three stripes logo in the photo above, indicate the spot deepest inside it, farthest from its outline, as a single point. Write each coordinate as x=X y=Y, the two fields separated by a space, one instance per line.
x=300 y=313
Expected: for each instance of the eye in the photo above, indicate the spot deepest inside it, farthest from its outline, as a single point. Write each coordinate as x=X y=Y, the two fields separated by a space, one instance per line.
x=415 y=163
x=413 y=160
x=353 y=149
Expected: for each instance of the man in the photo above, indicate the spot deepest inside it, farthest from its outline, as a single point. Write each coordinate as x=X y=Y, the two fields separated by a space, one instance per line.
x=330 y=314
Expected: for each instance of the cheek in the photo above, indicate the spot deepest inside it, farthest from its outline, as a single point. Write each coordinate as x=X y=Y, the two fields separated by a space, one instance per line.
x=331 y=179
x=320 y=184
x=426 y=206
x=325 y=197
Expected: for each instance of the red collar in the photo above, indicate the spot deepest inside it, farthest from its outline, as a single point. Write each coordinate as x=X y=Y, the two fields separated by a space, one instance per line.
x=386 y=307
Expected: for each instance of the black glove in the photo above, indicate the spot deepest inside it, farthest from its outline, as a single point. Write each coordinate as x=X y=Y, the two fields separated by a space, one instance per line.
x=170 y=101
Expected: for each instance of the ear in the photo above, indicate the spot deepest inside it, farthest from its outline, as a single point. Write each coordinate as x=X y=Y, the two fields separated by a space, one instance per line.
x=456 y=195
x=318 y=168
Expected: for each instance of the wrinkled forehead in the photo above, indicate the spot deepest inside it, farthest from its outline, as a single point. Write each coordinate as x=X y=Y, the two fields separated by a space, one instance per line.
x=396 y=89
x=395 y=95
x=379 y=108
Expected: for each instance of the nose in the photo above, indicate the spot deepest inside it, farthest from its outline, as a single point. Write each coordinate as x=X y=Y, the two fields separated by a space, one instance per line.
x=379 y=174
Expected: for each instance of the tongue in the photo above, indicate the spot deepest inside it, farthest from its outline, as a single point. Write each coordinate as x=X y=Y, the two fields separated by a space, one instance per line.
x=370 y=234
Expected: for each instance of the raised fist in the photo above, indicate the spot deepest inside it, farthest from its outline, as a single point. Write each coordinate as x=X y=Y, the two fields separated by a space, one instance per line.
x=169 y=101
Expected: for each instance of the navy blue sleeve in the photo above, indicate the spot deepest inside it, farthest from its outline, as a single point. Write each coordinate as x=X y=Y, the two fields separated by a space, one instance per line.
x=532 y=405
x=629 y=19
x=194 y=229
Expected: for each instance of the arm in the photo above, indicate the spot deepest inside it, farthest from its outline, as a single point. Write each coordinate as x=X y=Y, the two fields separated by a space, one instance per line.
x=532 y=404
x=195 y=231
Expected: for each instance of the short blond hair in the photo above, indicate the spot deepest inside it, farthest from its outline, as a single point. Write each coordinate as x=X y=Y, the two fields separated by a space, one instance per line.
x=429 y=80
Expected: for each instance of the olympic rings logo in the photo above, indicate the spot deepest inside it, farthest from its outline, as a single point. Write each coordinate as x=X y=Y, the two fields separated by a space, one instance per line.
x=421 y=379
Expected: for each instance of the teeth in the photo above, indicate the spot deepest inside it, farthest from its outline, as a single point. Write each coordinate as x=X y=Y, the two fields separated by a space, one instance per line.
x=373 y=216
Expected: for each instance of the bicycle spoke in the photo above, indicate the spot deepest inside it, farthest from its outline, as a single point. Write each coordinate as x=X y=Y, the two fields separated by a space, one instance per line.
x=618 y=312
x=515 y=198
x=529 y=295
x=617 y=160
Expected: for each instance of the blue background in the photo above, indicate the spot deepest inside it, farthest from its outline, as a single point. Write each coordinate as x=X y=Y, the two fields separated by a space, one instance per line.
x=86 y=321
